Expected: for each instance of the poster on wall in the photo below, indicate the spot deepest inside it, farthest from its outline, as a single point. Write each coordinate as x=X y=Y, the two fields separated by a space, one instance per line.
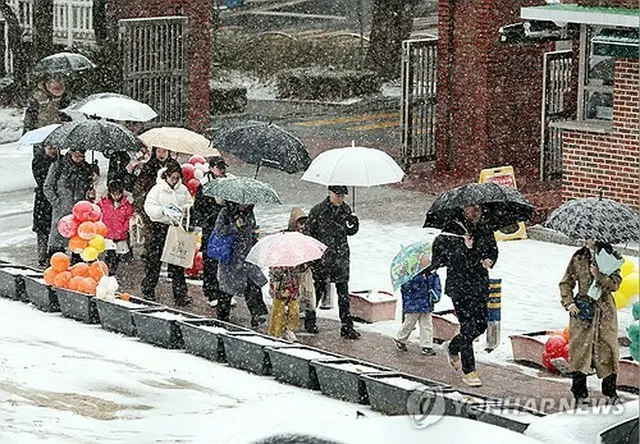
x=504 y=176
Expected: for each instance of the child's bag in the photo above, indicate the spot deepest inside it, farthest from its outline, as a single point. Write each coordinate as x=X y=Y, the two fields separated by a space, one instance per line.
x=220 y=247
x=435 y=287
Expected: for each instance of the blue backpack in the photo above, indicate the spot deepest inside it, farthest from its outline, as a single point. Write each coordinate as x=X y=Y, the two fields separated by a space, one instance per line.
x=435 y=287
x=220 y=247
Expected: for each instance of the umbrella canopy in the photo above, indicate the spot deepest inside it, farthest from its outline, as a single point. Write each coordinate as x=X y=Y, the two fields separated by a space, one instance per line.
x=502 y=205
x=242 y=190
x=179 y=140
x=119 y=108
x=38 y=135
x=410 y=261
x=254 y=142
x=285 y=249
x=72 y=110
x=63 y=63
x=603 y=219
x=96 y=135
x=354 y=166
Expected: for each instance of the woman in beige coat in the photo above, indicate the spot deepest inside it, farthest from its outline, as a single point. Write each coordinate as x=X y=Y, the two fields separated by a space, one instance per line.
x=593 y=325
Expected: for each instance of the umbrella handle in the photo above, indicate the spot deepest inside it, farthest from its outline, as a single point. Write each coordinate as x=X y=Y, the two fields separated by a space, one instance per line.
x=353 y=198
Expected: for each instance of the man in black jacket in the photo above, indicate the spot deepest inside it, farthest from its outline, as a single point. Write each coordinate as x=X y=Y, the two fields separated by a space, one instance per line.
x=468 y=249
x=330 y=222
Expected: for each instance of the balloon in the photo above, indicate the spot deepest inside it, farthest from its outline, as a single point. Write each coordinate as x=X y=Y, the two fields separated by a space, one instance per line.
x=630 y=285
x=565 y=333
x=101 y=228
x=60 y=262
x=620 y=299
x=96 y=213
x=197 y=266
x=112 y=285
x=198 y=174
x=635 y=351
x=49 y=276
x=101 y=292
x=555 y=346
x=192 y=186
x=87 y=230
x=204 y=167
x=125 y=296
x=98 y=270
x=67 y=226
x=187 y=171
x=98 y=243
x=565 y=352
x=89 y=254
x=546 y=361
x=74 y=283
x=196 y=158
x=77 y=244
x=636 y=311
x=634 y=332
x=82 y=211
x=80 y=269
x=628 y=267
x=62 y=279
x=87 y=285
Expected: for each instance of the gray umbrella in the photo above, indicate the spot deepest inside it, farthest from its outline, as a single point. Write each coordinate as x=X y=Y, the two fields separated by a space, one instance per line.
x=96 y=135
x=242 y=190
x=63 y=63
x=603 y=219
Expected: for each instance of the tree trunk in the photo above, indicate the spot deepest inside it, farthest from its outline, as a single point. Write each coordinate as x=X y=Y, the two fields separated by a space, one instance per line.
x=16 y=45
x=42 y=28
x=100 y=21
x=392 y=23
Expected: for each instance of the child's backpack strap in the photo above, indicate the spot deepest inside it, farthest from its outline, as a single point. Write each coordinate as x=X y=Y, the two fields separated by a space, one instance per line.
x=435 y=287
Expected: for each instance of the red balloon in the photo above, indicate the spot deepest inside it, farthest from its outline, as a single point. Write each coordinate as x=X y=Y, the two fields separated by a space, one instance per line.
x=197 y=266
x=555 y=346
x=188 y=171
x=565 y=352
x=192 y=186
x=96 y=213
x=68 y=226
x=196 y=159
x=82 y=211
x=546 y=361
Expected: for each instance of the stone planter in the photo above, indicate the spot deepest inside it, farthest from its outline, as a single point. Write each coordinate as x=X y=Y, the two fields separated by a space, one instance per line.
x=372 y=307
x=629 y=375
x=246 y=351
x=115 y=314
x=41 y=295
x=12 y=281
x=402 y=394
x=292 y=365
x=466 y=405
x=78 y=306
x=445 y=325
x=340 y=378
x=159 y=326
x=527 y=348
x=510 y=417
x=203 y=337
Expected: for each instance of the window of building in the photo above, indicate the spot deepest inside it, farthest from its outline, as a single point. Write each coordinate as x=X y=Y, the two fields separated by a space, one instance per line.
x=597 y=78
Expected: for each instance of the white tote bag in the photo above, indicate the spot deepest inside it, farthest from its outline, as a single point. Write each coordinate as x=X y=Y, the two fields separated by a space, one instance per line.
x=179 y=246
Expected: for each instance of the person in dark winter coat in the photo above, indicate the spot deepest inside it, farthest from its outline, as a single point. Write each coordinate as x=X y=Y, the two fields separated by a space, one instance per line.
x=330 y=222
x=40 y=164
x=118 y=162
x=468 y=249
x=205 y=213
x=239 y=277
x=67 y=183
x=43 y=107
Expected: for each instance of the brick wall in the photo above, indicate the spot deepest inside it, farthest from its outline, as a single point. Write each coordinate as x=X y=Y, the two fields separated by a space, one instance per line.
x=609 y=3
x=611 y=160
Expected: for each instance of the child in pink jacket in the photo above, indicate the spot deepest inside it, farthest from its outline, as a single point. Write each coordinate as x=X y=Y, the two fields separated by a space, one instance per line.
x=117 y=211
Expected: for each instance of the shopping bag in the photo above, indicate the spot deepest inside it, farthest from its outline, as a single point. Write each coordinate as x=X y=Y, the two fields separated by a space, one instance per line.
x=220 y=247
x=179 y=247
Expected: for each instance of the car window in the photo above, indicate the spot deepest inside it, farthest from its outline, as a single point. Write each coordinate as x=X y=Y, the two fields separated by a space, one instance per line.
x=625 y=432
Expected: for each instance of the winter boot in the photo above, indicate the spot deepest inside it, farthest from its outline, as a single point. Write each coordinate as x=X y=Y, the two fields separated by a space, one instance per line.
x=428 y=351
x=400 y=345
x=310 y=322
x=454 y=360
x=472 y=379
x=349 y=333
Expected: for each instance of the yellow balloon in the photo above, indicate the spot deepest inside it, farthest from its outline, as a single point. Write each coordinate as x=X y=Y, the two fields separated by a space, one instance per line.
x=98 y=243
x=89 y=254
x=630 y=285
x=620 y=299
x=628 y=267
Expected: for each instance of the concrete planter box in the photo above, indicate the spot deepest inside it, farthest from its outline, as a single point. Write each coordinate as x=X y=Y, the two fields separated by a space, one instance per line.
x=246 y=351
x=340 y=378
x=159 y=326
x=41 y=295
x=629 y=375
x=402 y=394
x=115 y=315
x=12 y=281
x=203 y=337
x=465 y=404
x=527 y=348
x=372 y=306
x=445 y=325
x=510 y=417
x=292 y=365
x=78 y=306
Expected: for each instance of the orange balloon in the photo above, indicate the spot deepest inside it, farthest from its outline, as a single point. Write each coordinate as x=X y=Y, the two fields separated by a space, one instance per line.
x=81 y=269
x=77 y=244
x=98 y=269
x=62 y=279
x=75 y=282
x=125 y=296
x=565 y=333
x=87 y=230
x=60 y=262
x=49 y=276
x=87 y=285
x=101 y=228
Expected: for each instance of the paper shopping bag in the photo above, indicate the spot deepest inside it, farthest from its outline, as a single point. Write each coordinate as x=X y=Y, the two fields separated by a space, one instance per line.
x=179 y=247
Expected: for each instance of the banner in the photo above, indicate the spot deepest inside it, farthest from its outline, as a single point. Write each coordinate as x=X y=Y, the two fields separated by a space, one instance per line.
x=506 y=177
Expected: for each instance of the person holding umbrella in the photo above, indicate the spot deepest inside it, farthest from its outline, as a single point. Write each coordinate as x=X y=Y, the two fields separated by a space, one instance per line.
x=45 y=156
x=330 y=222
x=45 y=103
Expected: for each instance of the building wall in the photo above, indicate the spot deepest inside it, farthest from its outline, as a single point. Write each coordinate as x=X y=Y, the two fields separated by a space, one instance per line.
x=610 y=3
x=611 y=160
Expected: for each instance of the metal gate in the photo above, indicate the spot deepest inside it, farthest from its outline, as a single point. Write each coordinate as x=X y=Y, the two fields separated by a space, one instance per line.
x=154 y=65
x=556 y=106
x=418 y=108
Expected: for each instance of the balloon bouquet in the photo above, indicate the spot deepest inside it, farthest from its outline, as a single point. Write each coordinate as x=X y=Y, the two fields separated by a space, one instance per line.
x=193 y=171
x=634 y=332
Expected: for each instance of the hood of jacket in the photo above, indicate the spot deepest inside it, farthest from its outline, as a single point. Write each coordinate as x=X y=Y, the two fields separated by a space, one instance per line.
x=296 y=214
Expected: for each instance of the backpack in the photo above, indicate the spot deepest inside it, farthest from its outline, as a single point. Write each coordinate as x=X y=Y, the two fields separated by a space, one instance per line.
x=435 y=287
x=220 y=247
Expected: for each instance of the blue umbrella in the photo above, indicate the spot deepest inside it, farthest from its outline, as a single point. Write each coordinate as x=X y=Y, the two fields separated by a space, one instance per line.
x=36 y=136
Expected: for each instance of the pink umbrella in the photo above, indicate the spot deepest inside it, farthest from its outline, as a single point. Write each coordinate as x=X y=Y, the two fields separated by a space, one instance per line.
x=285 y=249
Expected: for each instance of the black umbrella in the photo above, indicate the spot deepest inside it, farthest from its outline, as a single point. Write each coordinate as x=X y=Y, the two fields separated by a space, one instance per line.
x=263 y=143
x=602 y=219
x=96 y=135
x=63 y=63
x=502 y=206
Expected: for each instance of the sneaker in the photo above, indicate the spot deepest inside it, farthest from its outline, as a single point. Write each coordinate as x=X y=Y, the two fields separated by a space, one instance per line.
x=428 y=351
x=400 y=345
x=454 y=360
x=234 y=301
x=213 y=303
x=472 y=379
x=288 y=335
x=350 y=333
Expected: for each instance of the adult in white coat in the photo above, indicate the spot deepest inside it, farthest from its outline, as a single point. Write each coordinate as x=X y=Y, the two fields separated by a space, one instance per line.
x=169 y=192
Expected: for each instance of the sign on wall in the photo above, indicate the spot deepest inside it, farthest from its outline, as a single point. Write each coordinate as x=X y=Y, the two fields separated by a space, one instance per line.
x=506 y=177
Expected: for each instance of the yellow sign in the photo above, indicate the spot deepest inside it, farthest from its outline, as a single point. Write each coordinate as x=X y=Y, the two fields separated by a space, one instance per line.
x=506 y=177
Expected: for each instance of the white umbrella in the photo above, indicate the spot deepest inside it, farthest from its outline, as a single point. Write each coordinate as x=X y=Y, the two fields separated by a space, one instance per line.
x=37 y=135
x=72 y=110
x=179 y=140
x=118 y=108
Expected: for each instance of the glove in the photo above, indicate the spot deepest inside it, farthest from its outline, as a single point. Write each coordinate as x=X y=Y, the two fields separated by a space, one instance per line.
x=573 y=309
